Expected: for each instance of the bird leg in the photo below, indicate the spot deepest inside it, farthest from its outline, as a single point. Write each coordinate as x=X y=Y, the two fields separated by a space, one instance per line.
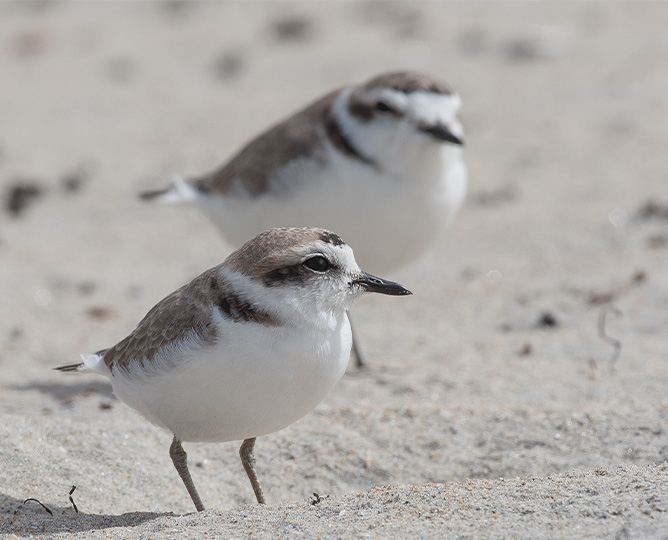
x=248 y=461
x=357 y=350
x=180 y=460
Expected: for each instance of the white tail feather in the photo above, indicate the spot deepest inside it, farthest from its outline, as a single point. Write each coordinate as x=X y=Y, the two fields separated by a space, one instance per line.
x=94 y=362
x=181 y=191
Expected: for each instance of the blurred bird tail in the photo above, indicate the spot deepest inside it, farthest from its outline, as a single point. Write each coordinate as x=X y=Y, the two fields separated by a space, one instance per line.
x=179 y=191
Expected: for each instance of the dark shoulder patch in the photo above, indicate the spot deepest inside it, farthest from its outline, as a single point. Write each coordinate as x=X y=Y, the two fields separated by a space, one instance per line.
x=341 y=142
x=239 y=310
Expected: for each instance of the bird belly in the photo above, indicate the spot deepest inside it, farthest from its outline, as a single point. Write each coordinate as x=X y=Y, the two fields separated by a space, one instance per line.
x=389 y=222
x=249 y=384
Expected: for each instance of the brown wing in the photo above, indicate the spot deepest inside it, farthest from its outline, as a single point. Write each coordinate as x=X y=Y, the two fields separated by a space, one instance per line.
x=186 y=310
x=291 y=139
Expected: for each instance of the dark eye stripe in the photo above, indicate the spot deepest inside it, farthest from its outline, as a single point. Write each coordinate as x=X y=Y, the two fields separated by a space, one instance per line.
x=384 y=107
x=284 y=275
x=366 y=111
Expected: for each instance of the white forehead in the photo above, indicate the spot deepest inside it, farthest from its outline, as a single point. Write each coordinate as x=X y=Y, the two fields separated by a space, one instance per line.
x=423 y=106
x=341 y=255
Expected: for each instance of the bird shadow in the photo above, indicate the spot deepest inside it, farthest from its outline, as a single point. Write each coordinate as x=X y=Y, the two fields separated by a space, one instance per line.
x=66 y=393
x=31 y=517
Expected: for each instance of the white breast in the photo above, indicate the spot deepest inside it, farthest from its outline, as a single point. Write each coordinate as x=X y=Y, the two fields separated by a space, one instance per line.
x=252 y=382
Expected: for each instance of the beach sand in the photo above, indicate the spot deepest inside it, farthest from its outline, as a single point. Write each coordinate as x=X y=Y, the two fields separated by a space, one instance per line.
x=520 y=393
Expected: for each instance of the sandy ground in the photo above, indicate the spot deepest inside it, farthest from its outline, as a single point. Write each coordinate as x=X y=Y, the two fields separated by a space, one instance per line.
x=520 y=393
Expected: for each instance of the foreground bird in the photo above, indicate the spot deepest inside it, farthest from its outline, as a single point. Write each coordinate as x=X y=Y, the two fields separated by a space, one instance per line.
x=246 y=348
x=379 y=162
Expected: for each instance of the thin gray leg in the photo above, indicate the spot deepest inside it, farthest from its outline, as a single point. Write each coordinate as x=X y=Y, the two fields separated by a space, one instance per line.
x=248 y=461
x=357 y=351
x=180 y=460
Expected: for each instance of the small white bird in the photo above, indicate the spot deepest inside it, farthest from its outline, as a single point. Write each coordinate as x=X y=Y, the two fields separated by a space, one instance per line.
x=246 y=348
x=380 y=163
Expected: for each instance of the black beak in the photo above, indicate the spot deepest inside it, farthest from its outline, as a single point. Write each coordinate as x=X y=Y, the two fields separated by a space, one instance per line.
x=442 y=132
x=375 y=284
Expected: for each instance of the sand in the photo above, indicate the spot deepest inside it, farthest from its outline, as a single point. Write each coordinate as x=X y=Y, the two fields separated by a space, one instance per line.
x=520 y=393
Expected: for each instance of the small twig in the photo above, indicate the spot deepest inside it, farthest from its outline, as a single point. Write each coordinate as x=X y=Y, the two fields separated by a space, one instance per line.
x=72 y=500
x=317 y=499
x=40 y=503
x=616 y=344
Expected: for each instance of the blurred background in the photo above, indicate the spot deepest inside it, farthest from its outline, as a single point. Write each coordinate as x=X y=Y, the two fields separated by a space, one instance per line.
x=548 y=294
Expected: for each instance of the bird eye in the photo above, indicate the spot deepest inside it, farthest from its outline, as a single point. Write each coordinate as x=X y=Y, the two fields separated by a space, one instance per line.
x=317 y=263
x=381 y=106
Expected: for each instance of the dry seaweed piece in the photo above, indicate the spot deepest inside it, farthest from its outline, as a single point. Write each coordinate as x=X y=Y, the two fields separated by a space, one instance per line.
x=20 y=195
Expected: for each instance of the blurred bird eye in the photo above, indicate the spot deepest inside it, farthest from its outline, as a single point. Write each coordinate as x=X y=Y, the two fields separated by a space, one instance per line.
x=381 y=106
x=317 y=263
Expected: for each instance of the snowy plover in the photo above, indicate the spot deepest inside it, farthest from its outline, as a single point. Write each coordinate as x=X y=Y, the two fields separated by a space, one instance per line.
x=246 y=348
x=380 y=163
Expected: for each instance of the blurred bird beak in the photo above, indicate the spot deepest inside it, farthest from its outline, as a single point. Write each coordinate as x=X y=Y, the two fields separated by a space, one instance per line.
x=442 y=132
